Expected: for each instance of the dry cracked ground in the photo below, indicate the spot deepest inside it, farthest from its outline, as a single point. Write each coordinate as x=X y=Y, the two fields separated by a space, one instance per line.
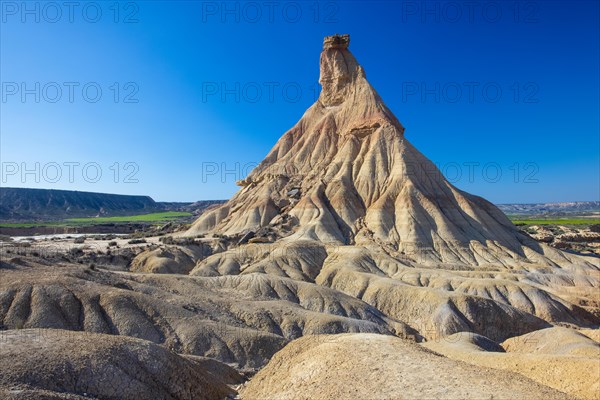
x=340 y=270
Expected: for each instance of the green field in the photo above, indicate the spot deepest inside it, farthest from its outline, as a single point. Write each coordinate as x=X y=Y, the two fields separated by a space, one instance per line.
x=163 y=217
x=32 y=224
x=153 y=218
x=559 y=221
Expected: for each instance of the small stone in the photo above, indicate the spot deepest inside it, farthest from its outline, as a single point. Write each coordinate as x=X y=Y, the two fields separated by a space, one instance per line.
x=246 y=237
x=259 y=240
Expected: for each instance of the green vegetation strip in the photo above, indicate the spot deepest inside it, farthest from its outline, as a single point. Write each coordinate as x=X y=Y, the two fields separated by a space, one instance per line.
x=31 y=224
x=151 y=218
x=589 y=221
x=154 y=217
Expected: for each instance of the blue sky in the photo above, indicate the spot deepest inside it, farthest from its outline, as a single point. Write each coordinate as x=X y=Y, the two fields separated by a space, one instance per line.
x=504 y=96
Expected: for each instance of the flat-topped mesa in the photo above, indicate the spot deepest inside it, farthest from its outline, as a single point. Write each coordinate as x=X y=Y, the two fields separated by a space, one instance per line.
x=336 y=42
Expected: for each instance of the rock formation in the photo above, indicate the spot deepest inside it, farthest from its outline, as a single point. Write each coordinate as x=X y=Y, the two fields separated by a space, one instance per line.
x=345 y=174
x=389 y=228
x=344 y=229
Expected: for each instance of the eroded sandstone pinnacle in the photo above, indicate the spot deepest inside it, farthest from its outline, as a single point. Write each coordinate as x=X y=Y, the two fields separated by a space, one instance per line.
x=338 y=69
x=362 y=182
x=336 y=41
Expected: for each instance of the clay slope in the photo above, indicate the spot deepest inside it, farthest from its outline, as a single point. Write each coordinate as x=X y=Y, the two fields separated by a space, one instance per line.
x=237 y=319
x=494 y=302
x=365 y=366
x=56 y=364
x=491 y=301
x=556 y=357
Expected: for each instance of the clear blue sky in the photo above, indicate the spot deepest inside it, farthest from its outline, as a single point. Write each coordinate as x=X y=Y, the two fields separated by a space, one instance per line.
x=439 y=69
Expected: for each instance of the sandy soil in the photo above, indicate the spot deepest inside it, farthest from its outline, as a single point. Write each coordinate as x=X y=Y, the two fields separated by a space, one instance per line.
x=366 y=366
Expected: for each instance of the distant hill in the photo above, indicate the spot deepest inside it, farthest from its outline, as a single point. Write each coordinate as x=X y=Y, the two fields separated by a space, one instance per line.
x=552 y=209
x=19 y=204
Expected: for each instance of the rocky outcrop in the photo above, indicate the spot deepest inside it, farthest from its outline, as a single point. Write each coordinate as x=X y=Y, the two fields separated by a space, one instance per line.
x=575 y=238
x=350 y=204
x=57 y=364
x=336 y=42
x=360 y=182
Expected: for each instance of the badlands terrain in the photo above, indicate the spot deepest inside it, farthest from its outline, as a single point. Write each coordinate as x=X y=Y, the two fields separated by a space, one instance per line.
x=345 y=267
